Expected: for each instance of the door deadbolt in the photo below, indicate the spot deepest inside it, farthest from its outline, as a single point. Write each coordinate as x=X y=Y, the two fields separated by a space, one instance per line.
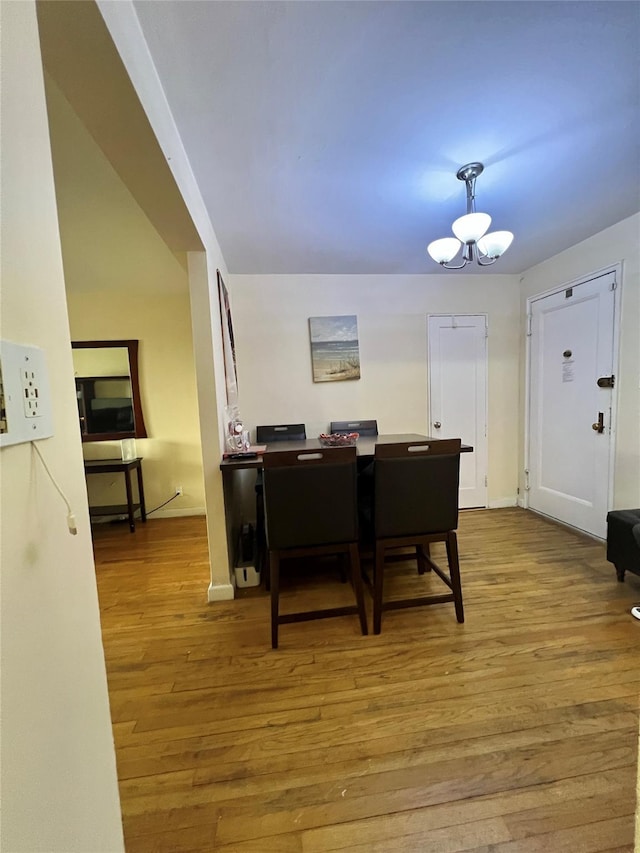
x=607 y=382
x=599 y=425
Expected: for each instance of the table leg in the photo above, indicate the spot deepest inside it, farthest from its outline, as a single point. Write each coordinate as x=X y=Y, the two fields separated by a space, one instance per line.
x=132 y=520
x=143 y=509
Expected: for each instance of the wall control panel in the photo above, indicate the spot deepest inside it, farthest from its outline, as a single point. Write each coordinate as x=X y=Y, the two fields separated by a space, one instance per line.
x=25 y=398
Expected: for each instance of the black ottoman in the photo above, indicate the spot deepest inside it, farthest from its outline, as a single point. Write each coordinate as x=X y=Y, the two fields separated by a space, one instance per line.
x=623 y=541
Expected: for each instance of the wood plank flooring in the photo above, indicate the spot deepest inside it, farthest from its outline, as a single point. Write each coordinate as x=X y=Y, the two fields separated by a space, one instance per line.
x=513 y=733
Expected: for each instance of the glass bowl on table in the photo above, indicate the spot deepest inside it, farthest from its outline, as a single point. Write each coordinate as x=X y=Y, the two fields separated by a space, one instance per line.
x=338 y=439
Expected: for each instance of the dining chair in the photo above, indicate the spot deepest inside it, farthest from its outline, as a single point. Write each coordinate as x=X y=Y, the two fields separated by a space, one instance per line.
x=311 y=509
x=361 y=427
x=414 y=503
x=266 y=434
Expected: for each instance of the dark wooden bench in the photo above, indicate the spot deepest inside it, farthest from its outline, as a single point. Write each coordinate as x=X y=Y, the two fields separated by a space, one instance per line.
x=623 y=541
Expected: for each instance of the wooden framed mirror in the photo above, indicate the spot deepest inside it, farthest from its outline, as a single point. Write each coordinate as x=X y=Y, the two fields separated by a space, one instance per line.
x=108 y=390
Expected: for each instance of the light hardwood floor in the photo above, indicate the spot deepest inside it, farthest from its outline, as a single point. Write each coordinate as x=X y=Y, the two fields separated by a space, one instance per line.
x=513 y=733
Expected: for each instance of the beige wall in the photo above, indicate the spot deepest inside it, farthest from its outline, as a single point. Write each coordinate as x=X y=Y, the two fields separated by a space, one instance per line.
x=124 y=282
x=107 y=237
x=59 y=787
x=172 y=452
x=274 y=365
x=620 y=243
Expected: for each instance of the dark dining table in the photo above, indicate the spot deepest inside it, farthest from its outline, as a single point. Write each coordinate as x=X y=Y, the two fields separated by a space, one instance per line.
x=234 y=483
x=365 y=448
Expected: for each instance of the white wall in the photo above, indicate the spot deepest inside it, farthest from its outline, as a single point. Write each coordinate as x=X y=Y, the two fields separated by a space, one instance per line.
x=270 y=315
x=59 y=786
x=619 y=243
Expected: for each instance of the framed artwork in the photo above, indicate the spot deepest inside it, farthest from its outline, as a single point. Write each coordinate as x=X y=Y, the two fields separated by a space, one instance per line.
x=335 y=354
x=228 y=343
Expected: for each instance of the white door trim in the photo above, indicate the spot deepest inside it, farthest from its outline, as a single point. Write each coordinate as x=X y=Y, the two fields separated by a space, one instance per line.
x=617 y=269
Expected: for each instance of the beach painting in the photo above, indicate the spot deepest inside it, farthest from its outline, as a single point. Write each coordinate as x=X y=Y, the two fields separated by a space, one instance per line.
x=335 y=355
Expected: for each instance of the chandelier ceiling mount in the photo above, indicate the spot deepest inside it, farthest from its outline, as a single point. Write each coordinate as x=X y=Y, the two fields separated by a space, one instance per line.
x=469 y=172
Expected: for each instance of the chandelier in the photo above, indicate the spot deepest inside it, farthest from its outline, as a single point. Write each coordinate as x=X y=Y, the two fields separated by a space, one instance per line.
x=470 y=231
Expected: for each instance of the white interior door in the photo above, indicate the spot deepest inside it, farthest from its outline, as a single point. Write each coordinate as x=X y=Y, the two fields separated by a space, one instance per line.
x=571 y=348
x=458 y=395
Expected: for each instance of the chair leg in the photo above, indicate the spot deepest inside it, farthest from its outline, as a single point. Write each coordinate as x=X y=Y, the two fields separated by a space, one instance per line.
x=620 y=570
x=454 y=571
x=356 y=580
x=274 y=561
x=378 y=570
x=423 y=551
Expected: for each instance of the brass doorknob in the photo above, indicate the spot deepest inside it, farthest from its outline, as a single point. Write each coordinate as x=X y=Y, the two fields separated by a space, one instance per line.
x=599 y=425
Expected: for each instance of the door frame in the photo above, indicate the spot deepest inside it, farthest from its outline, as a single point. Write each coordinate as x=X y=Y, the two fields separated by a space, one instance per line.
x=617 y=270
x=485 y=316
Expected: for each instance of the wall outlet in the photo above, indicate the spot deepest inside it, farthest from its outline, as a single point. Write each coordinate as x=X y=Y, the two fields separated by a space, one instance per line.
x=26 y=399
x=31 y=391
x=179 y=490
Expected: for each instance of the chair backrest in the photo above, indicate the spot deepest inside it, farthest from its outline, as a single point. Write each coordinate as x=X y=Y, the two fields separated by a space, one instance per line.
x=362 y=427
x=416 y=487
x=280 y=432
x=310 y=497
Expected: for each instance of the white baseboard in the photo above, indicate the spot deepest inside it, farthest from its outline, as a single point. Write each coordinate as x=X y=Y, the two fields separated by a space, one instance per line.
x=220 y=592
x=521 y=502
x=501 y=503
x=176 y=513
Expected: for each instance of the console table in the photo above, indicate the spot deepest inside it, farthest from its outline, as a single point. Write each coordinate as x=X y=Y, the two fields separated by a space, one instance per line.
x=119 y=466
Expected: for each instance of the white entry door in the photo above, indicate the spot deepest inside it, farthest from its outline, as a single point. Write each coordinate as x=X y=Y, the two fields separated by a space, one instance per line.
x=458 y=395
x=570 y=403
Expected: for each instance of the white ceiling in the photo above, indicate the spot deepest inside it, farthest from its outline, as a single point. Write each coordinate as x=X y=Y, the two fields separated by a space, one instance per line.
x=325 y=136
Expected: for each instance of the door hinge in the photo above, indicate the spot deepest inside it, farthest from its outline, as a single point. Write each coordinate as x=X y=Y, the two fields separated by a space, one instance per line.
x=526 y=480
x=486 y=480
x=528 y=325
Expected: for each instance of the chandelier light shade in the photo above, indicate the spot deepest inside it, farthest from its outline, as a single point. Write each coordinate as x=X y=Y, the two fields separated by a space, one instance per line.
x=471 y=227
x=444 y=250
x=470 y=231
x=495 y=244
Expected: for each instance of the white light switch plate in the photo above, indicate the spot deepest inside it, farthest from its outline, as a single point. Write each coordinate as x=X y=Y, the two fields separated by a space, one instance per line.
x=26 y=397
